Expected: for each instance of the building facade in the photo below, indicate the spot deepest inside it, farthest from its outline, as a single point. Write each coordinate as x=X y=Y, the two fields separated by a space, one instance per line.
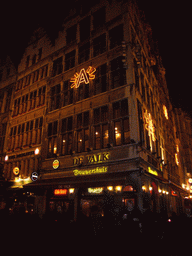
x=91 y=117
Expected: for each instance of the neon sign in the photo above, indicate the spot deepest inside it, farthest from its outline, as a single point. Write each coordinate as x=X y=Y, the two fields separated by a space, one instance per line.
x=60 y=192
x=152 y=171
x=83 y=77
x=95 y=190
x=165 y=112
x=96 y=170
x=92 y=159
x=149 y=125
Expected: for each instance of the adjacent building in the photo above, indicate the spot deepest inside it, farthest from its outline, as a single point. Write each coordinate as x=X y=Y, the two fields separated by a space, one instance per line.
x=92 y=119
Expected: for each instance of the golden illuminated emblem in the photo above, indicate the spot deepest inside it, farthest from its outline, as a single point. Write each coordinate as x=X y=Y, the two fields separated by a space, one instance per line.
x=16 y=170
x=83 y=77
x=55 y=164
x=149 y=125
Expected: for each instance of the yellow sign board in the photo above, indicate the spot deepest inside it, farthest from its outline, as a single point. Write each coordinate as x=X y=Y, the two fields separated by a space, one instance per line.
x=152 y=171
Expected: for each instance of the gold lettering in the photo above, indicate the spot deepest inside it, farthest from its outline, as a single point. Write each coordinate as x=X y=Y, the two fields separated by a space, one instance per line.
x=96 y=170
x=105 y=156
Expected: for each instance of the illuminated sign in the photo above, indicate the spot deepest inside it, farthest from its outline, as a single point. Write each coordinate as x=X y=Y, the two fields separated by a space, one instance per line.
x=176 y=159
x=165 y=112
x=16 y=170
x=149 y=125
x=83 y=77
x=152 y=171
x=59 y=192
x=95 y=190
x=55 y=164
x=96 y=170
x=91 y=159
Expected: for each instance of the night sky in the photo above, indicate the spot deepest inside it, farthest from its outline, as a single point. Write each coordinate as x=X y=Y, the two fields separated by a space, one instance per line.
x=171 y=26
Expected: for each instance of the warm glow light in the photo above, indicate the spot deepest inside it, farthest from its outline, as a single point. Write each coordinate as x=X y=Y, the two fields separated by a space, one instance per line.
x=165 y=112
x=176 y=159
x=110 y=188
x=150 y=188
x=118 y=188
x=37 y=151
x=60 y=192
x=6 y=158
x=95 y=190
x=152 y=171
x=160 y=190
x=83 y=77
x=149 y=125
x=71 y=190
x=143 y=188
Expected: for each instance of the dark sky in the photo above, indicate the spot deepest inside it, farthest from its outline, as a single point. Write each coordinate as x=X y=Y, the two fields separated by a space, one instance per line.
x=171 y=26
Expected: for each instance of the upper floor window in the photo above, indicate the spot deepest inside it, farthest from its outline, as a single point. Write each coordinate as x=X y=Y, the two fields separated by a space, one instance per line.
x=84 y=52
x=101 y=127
x=85 y=28
x=67 y=93
x=121 y=132
x=100 y=81
x=118 y=73
x=99 y=18
x=67 y=135
x=58 y=66
x=116 y=36
x=52 y=138
x=99 y=45
x=71 y=34
x=70 y=60
x=55 y=97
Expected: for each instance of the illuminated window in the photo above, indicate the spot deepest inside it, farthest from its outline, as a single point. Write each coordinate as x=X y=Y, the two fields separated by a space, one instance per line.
x=121 y=122
x=52 y=138
x=82 y=132
x=101 y=130
x=67 y=135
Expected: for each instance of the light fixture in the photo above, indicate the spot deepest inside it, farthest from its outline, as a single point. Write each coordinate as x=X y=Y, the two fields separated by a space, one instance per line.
x=6 y=158
x=37 y=151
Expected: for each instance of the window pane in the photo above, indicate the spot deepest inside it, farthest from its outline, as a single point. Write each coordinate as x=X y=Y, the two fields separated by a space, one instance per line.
x=63 y=145
x=117 y=133
x=105 y=135
x=55 y=145
x=97 y=137
x=70 y=140
x=79 y=141
x=126 y=131
x=96 y=115
x=104 y=113
x=86 y=118
x=86 y=139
